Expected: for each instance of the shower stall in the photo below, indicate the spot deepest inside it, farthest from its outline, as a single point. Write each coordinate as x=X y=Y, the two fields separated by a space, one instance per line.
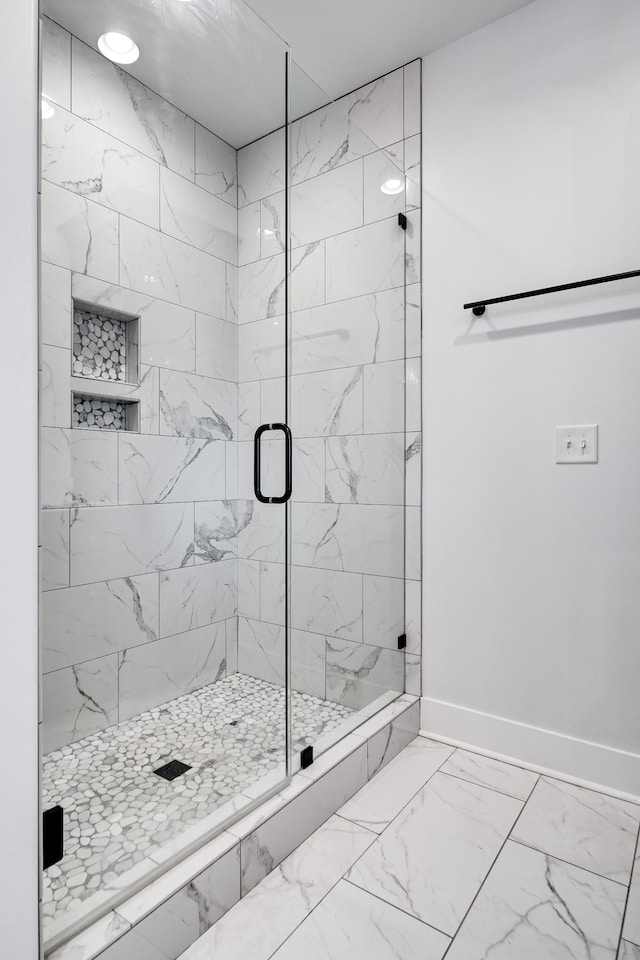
x=230 y=428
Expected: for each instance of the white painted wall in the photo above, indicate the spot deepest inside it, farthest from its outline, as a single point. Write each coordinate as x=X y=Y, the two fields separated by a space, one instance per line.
x=532 y=570
x=18 y=491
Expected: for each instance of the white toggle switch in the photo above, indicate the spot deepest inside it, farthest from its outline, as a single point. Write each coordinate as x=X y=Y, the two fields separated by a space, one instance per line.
x=577 y=444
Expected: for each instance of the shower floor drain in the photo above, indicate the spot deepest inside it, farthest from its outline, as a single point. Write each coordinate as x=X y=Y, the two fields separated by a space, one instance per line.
x=173 y=769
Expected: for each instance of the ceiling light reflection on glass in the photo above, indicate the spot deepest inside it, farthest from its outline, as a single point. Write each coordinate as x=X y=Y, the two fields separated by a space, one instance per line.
x=47 y=109
x=118 y=47
x=392 y=186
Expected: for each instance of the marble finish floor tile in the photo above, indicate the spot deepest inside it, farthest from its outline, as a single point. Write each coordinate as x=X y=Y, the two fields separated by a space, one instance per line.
x=375 y=806
x=487 y=772
x=582 y=827
x=352 y=923
x=118 y=813
x=535 y=907
x=628 y=951
x=432 y=859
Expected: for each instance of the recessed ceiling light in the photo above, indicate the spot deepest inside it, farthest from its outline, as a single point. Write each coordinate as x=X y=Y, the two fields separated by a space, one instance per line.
x=118 y=47
x=392 y=186
x=47 y=109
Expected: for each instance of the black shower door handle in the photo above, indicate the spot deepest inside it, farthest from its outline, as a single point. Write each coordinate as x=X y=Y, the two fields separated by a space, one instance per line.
x=288 y=462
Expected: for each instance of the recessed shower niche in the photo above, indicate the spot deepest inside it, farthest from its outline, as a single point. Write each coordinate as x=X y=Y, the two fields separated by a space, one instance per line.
x=105 y=344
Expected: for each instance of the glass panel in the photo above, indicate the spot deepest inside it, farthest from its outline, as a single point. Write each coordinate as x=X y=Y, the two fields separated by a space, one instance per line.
x=162 y=341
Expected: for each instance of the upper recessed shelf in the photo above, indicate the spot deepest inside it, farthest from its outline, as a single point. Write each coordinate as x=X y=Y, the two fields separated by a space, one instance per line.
x=105 y=344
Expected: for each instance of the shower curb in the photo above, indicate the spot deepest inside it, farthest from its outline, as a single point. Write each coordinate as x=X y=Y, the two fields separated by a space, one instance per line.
x=191 y=896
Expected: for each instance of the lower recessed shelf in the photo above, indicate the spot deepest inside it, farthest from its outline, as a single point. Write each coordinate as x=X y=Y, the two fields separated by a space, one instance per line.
x=94 y=412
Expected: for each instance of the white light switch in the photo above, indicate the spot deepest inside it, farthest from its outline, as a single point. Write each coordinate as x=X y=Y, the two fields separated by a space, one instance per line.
x=577 y=444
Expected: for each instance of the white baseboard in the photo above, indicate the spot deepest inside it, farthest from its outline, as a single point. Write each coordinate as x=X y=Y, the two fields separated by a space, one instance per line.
x=593 y=765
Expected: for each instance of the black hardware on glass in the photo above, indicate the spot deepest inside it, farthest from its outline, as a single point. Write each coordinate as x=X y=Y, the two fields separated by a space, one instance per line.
x=306 y=757
x=402 y=221
x=402 y=641
x=479 y=306
x=256 y=463
x=52 y=836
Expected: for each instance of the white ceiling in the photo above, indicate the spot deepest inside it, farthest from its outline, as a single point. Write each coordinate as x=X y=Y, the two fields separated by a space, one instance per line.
x=219 y=62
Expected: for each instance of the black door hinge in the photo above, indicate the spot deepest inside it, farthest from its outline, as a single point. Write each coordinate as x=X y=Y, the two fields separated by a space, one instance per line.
x=402 y=221
x=52 y=836
x=306 y=757
x=402 y=641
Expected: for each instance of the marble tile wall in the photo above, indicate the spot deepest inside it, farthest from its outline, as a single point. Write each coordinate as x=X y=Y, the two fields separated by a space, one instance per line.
x=355 y=275
x=139 y=215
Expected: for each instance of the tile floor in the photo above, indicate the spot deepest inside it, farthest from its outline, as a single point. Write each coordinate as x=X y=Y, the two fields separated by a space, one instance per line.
x=119 y=815
x=448 y=853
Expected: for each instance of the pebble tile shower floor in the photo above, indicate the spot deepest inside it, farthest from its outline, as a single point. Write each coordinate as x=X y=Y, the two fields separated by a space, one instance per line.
x=118 y=812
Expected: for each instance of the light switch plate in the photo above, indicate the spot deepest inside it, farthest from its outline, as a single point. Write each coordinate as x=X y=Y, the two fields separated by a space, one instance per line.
x=578 y=444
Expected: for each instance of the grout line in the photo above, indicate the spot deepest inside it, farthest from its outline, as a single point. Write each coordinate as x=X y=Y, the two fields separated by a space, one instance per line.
x=570 y=863
x=395 y=906
x=636 y=859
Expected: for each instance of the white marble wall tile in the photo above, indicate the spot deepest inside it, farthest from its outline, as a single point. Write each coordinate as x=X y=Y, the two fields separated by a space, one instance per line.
x=413 y=674
x=216 y=525
x=366 y=469
x=98 y=936
x=382 y=799
x=351 y=127
x=365 y=260
x=413 y=469
x=541 y=907
x=383 y=611
x=78 y=467
x=448 y=823
x=200 y=407
x=261 y=531
x=122 y=106
x=379 y=168
x=328 y=204
x=271 y=592
x=307 y=664
x=79 y=700
x=261 y=169
x=79 y=234
x=327 y=404
x=156 y=672
x=631 y=930
x=55 y=305
x=261 y=650
x=161 y=266
x=413 y=247
x=261 y=284
x=198 y=595
x=581 y=826
x=262 y=920
x=81 y=158
x=170 y=469
x=54 y=539
x=355 y=537
x=348 y=333
x=249 y=590
x=272 y=400
x=412 y=168
x=84 y=623
x=412 y=100
x=413 y=543
x=249 y=233
x=110 y=542
x=216 y=166
x=55 y=399
x=248 y=409
x=261 y=349
x=357 y=674
x=232 y=313
x=167 y=331
x=272 y=225
x=348 y=916
x=231 y=635
x=169 y=929
x=217 y=354
x=487 y=772
x=231 y=472
x=413 y=616
x=191 y=214
x=327 y=602
x=308 y=285
x=56 y=63
x=309 y=459
x=267 y=846
x=414 y=320
x=628 y=951
x=384 y=397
